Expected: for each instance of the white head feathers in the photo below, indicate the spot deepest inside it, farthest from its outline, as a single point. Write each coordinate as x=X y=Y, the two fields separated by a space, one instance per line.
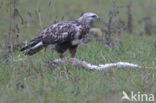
x=88 y=18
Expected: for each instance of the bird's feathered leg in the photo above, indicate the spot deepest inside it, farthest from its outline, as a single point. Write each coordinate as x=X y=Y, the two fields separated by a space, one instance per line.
x=72 y=51
x=63 y=56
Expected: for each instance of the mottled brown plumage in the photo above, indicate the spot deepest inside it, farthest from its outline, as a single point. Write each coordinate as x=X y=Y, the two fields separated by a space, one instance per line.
x=63 y=35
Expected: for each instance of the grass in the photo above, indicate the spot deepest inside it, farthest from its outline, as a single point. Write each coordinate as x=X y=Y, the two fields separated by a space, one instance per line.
x=44 y=84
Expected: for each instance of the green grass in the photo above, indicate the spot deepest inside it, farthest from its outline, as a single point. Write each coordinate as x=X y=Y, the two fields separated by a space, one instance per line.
x=44 y=84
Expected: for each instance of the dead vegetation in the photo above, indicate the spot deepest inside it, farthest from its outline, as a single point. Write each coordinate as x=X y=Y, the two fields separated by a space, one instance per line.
x=83 y=64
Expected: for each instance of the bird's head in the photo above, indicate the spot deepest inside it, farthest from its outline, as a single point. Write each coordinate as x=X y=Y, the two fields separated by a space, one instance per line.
x=89 y=18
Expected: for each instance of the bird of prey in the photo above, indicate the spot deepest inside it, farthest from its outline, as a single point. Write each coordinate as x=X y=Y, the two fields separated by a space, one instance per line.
x=62 y=35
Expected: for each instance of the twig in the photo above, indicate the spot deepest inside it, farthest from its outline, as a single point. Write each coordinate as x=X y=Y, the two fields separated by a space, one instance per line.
x=39 y=16
x=83 y=64
x=129 y=17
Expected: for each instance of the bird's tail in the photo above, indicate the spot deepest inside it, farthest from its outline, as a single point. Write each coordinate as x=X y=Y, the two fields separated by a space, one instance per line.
x=34 y=46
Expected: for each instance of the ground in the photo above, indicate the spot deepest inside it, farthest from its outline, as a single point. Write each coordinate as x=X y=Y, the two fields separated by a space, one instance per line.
x=32 y=79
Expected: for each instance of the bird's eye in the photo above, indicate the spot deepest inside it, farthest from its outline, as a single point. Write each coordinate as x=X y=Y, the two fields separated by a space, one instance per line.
x=94 y=16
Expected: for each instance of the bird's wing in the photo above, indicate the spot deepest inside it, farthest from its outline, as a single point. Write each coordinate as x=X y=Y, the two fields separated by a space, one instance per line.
x=60 y=32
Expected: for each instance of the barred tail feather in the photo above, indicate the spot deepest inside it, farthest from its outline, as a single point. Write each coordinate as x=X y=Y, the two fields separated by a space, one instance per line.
x=34 y=49
x=33 y=46
x=32 y=43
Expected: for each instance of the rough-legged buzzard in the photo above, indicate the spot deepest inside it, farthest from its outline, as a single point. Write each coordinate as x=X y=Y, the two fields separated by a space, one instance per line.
x=63 y=35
